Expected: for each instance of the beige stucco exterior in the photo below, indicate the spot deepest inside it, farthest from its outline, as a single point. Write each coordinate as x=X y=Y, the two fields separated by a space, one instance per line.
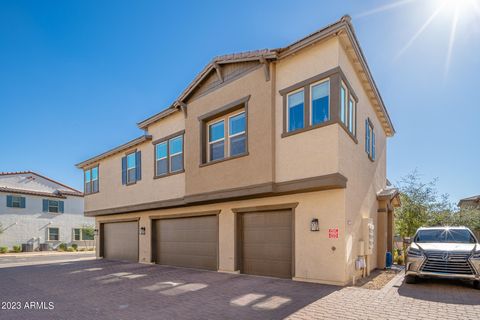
x=278 y=169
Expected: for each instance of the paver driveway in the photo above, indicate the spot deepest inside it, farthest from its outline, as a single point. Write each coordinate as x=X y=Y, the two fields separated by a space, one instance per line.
x=100 y=289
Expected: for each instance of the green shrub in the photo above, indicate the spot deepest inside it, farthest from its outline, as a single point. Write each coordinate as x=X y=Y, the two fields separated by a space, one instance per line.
x=82 y=249
x=62 y=247
x=398 y=257
x=17 y=248
x=3 y=249
x=91 y=249
x=71 y=249
x=75 y=246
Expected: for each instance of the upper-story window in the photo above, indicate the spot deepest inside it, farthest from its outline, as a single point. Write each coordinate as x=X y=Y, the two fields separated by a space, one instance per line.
x=91 y=180
x=53 y=206
x=15 y=202
x=320 y=102
x=169 y=156
x=369 y=139
x=232 y=126
x=348 y=112
x=131 y=167
x=296 y=110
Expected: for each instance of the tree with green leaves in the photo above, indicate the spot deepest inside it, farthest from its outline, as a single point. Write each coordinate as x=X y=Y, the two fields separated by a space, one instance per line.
x=88 y=233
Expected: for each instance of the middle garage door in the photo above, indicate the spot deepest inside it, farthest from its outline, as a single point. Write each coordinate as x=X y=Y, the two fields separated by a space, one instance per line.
x=266 y=243
x=187 y=242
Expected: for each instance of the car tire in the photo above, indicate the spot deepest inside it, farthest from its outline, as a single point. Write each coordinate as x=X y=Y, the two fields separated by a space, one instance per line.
x=411 y=279
x=476 y=284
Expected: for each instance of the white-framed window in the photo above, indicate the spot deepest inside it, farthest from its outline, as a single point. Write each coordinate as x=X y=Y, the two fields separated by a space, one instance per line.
x=175 y=153
x=80 y=234
x=370 y=140
x=320 y=102
x=91 y=180
x=296 y=110
x=348 y=112
x=237 y=134
x=53 y=206
x=15 y=201
x=216 y=140
x=53 y=234
x=161 y=158
x=131 y=168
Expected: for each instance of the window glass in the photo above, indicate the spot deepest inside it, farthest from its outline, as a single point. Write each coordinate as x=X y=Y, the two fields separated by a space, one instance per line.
x=53 y=234
x=216 y=131
x=131 y=161
x=238 y=145
x=350 y=115
x=52 y=206
x=161 y=150
x=95 y=173
x=86 y=235
x=176 y=145
x=76 y=235
x=176 y=162
x=320 y=102
x=295 y=111
x=217 y=150
x=16 y=202
x=237 y=124
x=162 y=167
x=87 y=176
x=343 y=104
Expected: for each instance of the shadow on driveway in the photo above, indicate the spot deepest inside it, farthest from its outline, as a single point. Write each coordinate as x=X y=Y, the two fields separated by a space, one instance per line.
x=101 y=289
x=441 y=290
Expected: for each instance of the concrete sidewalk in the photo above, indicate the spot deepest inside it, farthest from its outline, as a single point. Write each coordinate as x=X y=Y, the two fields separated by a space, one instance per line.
x=43 y=253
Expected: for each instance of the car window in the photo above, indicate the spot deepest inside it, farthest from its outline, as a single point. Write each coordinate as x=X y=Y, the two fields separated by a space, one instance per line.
x=445 y=235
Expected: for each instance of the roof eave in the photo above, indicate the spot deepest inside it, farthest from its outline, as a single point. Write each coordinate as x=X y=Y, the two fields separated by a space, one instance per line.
x=113 y=151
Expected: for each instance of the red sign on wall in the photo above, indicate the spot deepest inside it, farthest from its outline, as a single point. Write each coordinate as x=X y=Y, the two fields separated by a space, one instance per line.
x=333 y=233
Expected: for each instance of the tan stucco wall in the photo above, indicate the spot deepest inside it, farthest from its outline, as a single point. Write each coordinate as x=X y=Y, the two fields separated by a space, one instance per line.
x=315 y=152
x=244 y=171
x=365 y=178
x=314 y=258
x=113 y=194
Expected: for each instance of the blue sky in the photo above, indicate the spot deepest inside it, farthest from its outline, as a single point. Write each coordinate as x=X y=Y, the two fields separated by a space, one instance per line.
x=76 y=76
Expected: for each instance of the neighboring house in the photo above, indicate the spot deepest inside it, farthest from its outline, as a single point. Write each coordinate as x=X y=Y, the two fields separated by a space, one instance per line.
x=271 y=162
x=35 y=209
x=470 y=203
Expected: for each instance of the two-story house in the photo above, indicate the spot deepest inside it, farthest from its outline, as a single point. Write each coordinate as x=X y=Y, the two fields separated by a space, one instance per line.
x=35 y=209
x=270 y=162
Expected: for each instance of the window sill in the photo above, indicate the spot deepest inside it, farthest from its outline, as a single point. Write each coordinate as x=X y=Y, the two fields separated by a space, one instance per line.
x=130 y=183
x=224 y=159
x=310 y=127
x=168 y=174
x=87 y=194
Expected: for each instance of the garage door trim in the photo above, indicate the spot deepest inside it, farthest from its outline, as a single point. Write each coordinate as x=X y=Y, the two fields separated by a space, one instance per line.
x=153 y=238
x=102 y=234
x=238 y=212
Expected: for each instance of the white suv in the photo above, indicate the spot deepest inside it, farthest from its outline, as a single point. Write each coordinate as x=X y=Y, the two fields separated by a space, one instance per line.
x=447 y=252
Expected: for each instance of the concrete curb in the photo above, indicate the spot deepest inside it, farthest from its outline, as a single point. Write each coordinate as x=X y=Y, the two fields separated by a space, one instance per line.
x=44 y=253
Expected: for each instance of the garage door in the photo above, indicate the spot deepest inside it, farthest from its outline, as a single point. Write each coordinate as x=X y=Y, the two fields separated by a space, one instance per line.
x=266 y=243
x=187 y=242
x=120 y=241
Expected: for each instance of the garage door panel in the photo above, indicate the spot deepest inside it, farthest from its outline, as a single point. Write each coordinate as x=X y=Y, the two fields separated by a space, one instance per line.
x=188 y=242
x=266 y=243
x=120 y=241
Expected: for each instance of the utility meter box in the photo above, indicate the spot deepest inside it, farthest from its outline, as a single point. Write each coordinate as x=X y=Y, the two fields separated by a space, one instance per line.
x=368 y=235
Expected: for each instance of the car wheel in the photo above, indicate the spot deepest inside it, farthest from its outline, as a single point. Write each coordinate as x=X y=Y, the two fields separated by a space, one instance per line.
x=411 y=279
x=476 y=284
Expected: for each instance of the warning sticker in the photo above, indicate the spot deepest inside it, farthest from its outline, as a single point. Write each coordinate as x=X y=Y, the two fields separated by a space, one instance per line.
x=333 y=233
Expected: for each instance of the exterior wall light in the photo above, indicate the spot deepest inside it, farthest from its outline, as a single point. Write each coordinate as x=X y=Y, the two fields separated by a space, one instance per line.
x=314 y=226
x=142 y=231
x=95 y=232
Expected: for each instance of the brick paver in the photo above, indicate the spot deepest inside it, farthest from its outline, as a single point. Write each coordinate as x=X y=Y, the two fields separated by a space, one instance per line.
x=100 y=289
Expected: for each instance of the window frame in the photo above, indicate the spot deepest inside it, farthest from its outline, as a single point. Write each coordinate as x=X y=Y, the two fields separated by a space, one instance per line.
x=81 y=238
x=288 y=109
x=215 y=115
x=209 y=143
x=166 y=140
x=19 y=198
x=48 y=233
x=90 y=169
x=57 y=206
x=325 y=80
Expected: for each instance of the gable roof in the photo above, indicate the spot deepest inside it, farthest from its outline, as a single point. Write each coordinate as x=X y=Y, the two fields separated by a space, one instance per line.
x=469 y=200
x=342 y=27
x=32 y=183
